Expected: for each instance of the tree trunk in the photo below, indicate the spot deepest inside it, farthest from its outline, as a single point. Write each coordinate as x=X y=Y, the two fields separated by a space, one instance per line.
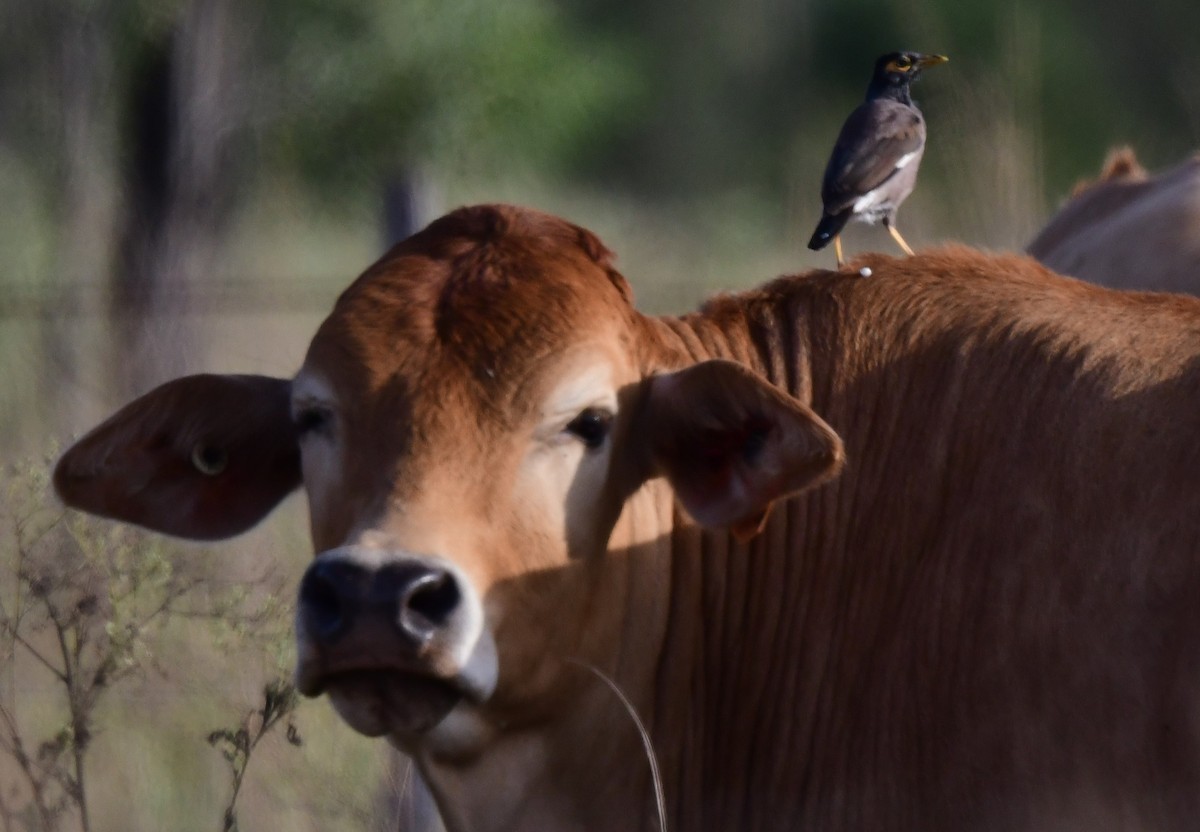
x=407 y=205
x=183 y=124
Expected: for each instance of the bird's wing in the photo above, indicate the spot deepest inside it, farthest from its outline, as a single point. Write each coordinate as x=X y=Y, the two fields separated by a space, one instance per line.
x=877 y=137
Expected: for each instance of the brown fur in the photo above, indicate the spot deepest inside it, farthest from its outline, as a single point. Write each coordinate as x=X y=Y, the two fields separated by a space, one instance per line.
x=986 y=622
x=1127 y=229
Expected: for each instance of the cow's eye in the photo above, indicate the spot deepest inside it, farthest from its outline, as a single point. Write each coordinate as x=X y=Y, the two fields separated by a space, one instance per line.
x=591 y=426
x=209 y=460
x=312 y=419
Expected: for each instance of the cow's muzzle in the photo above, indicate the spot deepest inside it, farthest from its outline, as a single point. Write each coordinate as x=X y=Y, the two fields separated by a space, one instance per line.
x=396 y=640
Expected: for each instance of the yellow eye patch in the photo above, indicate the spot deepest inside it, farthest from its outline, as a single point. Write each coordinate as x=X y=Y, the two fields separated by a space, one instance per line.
x=899 y=65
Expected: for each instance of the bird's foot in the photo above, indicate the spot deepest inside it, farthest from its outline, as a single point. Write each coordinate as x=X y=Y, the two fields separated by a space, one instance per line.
x=895 y=232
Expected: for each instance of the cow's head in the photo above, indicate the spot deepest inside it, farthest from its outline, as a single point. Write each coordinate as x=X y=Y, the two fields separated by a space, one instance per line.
x=482 y=406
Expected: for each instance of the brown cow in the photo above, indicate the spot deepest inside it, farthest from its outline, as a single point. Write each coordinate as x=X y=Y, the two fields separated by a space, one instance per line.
x=1129 y=230
x=988 y=621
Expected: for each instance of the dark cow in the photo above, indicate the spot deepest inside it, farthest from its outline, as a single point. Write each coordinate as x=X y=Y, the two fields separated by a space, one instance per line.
x=1129 y=230
x=919 y=551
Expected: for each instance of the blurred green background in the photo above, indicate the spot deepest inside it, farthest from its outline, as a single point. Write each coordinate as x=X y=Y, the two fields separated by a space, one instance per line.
x=187 y=184
x=167 y=159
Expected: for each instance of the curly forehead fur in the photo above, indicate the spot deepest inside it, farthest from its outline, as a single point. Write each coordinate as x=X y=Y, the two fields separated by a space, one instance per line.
x=486 y=289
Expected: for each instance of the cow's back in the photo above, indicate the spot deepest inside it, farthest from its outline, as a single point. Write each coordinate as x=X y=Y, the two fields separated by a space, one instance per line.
x=1017 y=563
x=985 y=622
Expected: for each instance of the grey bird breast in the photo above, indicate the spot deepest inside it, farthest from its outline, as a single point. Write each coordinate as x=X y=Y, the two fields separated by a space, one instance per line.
x=874 y=164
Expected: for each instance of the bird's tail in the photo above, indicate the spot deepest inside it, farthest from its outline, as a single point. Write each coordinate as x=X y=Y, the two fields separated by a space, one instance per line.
x=829 y=227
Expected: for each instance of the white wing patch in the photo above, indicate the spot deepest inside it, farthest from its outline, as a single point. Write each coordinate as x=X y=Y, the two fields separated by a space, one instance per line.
x=874 y=199
x=866 y=201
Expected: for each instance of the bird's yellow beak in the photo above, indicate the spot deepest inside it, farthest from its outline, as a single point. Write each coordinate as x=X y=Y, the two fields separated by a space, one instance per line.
x=927 y=61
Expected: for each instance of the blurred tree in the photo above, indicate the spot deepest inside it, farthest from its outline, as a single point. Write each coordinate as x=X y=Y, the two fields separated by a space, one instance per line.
x=180 y=173
x=348 y=89
x=172 y=112
x=55 y=68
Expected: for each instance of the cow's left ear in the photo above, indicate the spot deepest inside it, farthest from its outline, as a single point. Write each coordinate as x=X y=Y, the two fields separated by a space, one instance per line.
x=202 y=457
x=731 y=443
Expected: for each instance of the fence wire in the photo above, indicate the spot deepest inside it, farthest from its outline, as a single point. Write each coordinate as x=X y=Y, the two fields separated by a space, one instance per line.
x=223 y=298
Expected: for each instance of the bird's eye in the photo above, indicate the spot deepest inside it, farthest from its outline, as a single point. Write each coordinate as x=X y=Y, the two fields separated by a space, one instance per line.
x=591 y=426
x=312 y=419
x=902 y=63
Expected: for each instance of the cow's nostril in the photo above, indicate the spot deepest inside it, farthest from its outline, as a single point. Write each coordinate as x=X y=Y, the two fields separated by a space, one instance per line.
x=324 y=604
x=428 y=603
x=435 y=597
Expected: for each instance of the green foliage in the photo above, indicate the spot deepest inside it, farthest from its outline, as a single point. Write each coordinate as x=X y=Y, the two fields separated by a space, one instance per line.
x=359 y=90
x=673 y=101
x=736 y=85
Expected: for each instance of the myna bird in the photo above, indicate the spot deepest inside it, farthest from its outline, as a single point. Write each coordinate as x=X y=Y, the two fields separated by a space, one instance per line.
x=874 y=163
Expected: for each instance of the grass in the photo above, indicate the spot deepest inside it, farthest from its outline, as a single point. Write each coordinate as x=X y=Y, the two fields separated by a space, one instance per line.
x=126 y=660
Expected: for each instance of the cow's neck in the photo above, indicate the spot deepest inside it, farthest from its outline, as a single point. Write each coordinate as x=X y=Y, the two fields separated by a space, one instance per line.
x=794 y=663
x=711 y=694
x=741 y=693
x=765 y=332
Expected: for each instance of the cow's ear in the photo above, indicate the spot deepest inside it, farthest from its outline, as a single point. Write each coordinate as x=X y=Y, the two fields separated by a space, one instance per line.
x=731 y=443
x=202 y=457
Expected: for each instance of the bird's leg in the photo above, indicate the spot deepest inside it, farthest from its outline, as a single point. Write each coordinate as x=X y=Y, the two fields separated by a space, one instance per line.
x=895 y=232
x=837 y=249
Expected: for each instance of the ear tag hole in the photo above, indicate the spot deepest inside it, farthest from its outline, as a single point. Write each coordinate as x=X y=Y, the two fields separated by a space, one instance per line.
x=209 y=459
